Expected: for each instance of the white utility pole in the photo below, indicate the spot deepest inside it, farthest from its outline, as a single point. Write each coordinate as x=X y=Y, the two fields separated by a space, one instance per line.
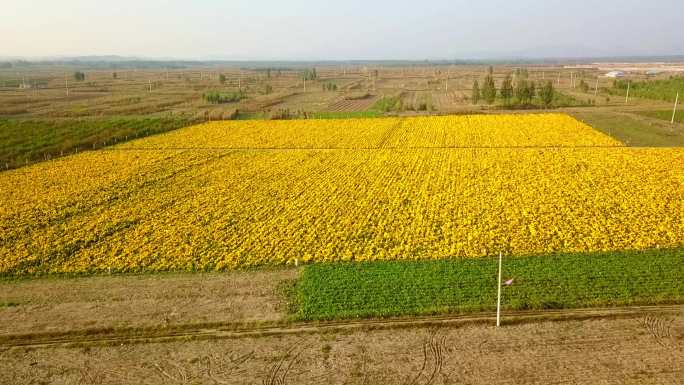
x=572 y=79
x=559 y=75
x=674 y=111
x=498 y=295
x=305 y=83
x=596 y=87
x=66 y=85
x=629 y=85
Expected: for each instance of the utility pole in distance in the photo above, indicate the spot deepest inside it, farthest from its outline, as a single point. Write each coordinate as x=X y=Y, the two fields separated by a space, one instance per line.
x=572 y=79
x=596 y=87
x=629 y=85
x=674 y=111
x=498 y=293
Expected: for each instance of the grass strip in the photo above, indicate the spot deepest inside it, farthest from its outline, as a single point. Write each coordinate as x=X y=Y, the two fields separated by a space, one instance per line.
x=664 y=115
x=396 y=288
x=631 y=130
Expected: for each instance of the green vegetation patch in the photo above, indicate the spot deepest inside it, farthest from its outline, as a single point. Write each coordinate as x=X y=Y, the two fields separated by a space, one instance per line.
x=346 y=115
x=632 y=129
x=387 y=104
x=215 y=97
x=23 y=141
x=382 y=289
x=664 y=89
x=663 y=115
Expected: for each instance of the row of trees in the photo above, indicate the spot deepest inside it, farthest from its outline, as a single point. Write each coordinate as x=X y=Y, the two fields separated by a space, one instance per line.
x=309 y=74
x=522 y=92
x=215 y=97
x=329 y=86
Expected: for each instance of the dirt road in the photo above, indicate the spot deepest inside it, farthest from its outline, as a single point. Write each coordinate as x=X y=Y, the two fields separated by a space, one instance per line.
x=619 y=346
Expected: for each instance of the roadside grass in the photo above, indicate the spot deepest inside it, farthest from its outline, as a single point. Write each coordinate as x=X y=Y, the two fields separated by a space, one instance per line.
x=24 y=141
x=632 y=130
x=399 y=288
x=663 y=115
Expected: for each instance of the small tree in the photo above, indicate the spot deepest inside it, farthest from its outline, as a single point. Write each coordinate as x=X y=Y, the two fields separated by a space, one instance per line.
x=489 y=87
x=309 y=75
x=584 y=87
x=222 y=79
x=476 y=92
x=532 y=91
x=546 y=94
x=507 y=89
x=79 y=76
x=114 y=75
x=522 y=91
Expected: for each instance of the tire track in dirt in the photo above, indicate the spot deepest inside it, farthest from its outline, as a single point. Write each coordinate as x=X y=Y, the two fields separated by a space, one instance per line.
x=108 y=337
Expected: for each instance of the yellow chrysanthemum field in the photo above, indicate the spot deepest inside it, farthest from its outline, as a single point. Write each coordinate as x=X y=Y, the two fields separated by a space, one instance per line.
x=236 y=194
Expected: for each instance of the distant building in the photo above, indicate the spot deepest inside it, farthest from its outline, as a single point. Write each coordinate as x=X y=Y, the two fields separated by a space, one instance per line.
x=615 y=74
x=653 y=72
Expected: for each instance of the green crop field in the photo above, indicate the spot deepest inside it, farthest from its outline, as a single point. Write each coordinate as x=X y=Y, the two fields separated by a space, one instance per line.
x=26 y=140
x=380 y=289
x=631 y=129
x=346 y=115
x=665 y=89
x=664 y=115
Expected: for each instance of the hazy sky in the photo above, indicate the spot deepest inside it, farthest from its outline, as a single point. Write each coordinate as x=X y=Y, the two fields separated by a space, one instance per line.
x=341 y=29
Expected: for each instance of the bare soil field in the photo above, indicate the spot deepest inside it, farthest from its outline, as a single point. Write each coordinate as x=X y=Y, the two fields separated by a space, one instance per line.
x=51 y=92
x=346 y=105
x=58 y=305
x=641 y=348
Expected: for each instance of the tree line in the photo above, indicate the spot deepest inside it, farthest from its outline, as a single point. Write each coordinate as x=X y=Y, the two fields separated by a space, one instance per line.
x=512 y=92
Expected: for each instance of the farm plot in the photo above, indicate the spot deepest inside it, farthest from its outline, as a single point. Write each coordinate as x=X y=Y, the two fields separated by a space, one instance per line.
x=544 y=130
x=141 y=207
x=390 y=288
x=352 y=104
